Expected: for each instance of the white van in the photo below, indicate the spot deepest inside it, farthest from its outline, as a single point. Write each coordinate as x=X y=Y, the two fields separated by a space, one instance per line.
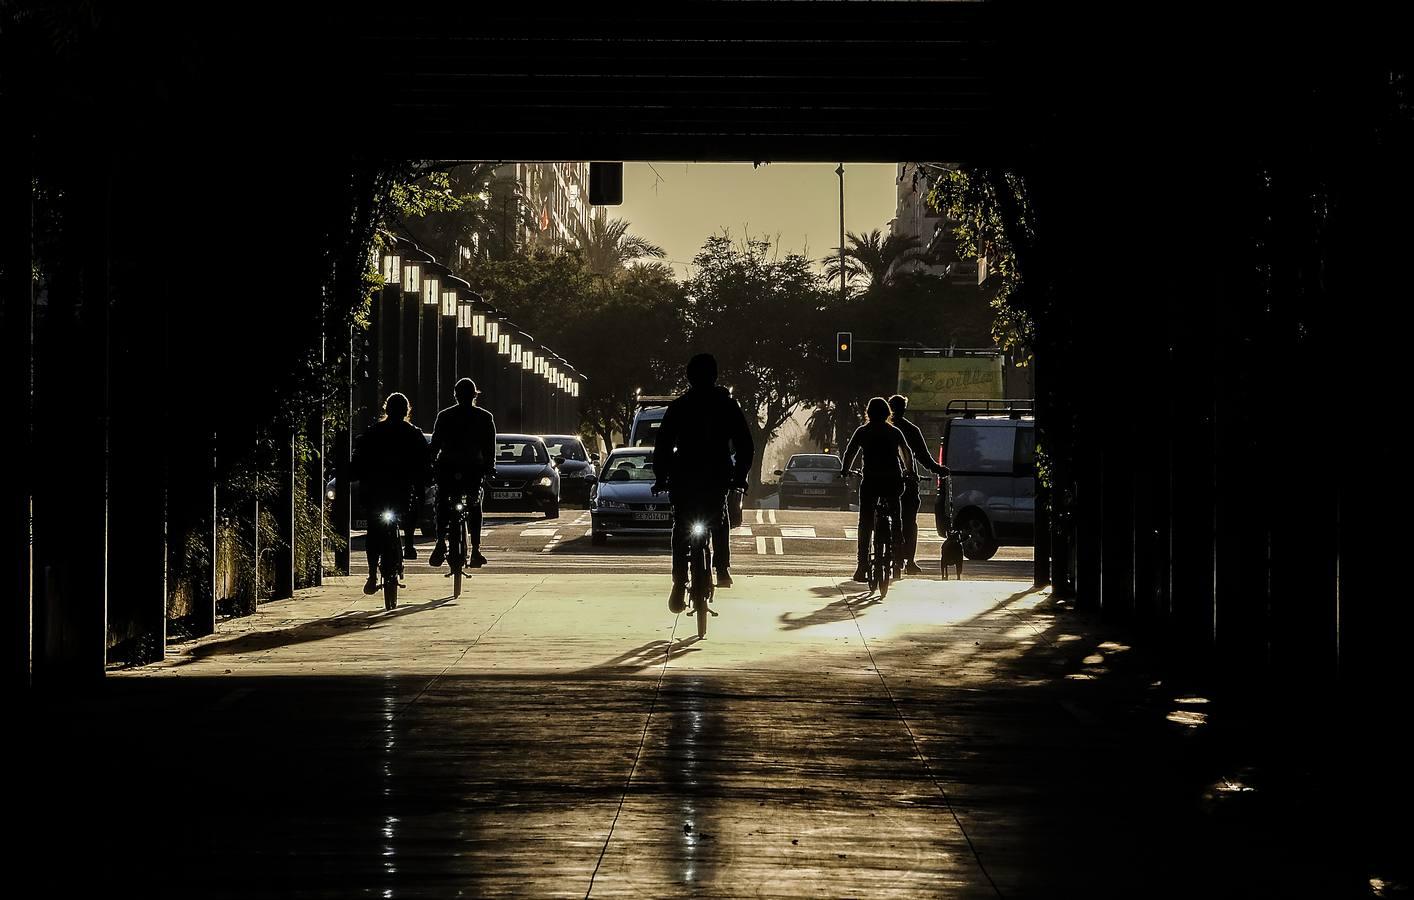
x=990 y=447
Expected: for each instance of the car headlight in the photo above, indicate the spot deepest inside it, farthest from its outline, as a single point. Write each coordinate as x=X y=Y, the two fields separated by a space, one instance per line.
x=544 y=481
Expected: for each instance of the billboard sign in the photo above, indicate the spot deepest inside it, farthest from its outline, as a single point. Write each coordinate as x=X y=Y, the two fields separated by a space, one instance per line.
x=929 y=382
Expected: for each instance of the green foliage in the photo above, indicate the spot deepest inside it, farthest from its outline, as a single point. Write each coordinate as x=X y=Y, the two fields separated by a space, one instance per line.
x=874 y=260
x=993 y=219
x=762 y=316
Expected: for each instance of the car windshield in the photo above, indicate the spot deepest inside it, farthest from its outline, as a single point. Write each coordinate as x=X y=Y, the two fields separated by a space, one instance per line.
x=823 y=461
x=629 y=467
x=512 y=451
x=568 y=448
x=645 y=431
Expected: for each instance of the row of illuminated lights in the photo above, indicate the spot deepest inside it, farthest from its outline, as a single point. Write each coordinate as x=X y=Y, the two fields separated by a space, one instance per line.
x=488 y=328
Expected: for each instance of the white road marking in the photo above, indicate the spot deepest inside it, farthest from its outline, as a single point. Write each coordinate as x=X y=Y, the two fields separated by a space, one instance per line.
x=741 y=531
x=851 y=534
x=771 y=513
x=538 y=532
x=761 y=545
x=760 y=517
x=780 y=551
x=800 y=531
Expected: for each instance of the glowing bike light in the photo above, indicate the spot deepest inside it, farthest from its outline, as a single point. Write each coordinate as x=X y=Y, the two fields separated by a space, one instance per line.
x=388 y=516
x=460 y=507
x=698 y=529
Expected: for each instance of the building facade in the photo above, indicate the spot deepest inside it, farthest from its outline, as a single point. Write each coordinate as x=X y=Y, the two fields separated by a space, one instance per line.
x=554 y=198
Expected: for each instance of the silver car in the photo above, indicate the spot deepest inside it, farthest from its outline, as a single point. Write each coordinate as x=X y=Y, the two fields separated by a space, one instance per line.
x=814 y=479
x=622 y=500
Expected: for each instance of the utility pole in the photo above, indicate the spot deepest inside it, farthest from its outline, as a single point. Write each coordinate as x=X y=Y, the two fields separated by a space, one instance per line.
x=840 y=172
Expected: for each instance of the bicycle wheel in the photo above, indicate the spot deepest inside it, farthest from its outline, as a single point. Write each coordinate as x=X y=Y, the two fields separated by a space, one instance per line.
x=701 y=584
x=388 y=563
x=458 y=557
x=883 y=554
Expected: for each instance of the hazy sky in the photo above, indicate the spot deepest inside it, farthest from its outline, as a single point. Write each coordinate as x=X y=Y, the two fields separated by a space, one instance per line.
x=677 y=205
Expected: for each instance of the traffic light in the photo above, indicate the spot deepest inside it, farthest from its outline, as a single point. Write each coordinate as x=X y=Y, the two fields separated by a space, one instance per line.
x=844 y=346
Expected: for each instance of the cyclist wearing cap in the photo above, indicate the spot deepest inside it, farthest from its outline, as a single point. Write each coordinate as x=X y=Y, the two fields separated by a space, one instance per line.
x=463 y=455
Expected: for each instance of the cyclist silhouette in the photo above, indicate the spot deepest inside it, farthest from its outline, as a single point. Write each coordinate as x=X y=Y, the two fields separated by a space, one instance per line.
x=918 y=446
x=693 y=461
x=886 y=455
x=390 y=464
x=464 y=453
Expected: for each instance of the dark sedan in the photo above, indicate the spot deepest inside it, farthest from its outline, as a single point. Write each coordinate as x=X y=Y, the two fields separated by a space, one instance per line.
x=576 y=466
x=526 y=479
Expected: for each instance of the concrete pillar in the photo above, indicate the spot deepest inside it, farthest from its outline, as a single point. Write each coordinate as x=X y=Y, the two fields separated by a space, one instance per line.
x=16 y=355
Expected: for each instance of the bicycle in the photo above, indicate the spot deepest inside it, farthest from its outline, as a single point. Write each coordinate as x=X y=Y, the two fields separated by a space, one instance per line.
x=881 y=562
x=457 y=549
x=390 y=554
x=700 y=587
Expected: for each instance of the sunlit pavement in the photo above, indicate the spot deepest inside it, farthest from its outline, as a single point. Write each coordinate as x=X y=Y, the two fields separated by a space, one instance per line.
x=564 y=735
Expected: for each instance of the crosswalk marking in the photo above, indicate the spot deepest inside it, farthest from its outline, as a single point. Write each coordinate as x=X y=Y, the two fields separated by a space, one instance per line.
x=800 y=531
x=760 y=517
x=741 y=531
x=761 y=545
x=538 y=532
x=772 y=514
x=779 y=550
x=851 y=534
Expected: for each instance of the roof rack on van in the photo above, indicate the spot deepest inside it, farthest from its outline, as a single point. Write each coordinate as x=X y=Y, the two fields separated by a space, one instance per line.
x=971 y=409
x=653 y=400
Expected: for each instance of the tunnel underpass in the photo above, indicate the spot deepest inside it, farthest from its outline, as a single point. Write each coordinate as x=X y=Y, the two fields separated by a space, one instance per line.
x=1210 y=245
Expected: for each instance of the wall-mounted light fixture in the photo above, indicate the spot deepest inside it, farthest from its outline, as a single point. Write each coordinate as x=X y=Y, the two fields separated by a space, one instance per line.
x=392 y=269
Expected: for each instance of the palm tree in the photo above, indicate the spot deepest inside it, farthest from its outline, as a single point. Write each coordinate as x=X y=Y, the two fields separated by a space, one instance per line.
x=608 y=247
x=875 y=259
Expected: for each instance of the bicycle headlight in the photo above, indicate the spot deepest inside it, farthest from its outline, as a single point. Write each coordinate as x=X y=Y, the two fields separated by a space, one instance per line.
x=544 y=481
x=460 y=507
x=388 y=515
x=329 y=493
x=698 y=529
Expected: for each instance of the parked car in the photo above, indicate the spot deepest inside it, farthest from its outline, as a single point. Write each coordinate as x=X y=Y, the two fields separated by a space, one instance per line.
x=526 y=479
x=622 y=498
x=990 y=446
x=814 y=479
x=575 y=465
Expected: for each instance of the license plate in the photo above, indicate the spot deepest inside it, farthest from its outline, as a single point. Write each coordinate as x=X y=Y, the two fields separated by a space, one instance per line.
x=652 y=516
x=505 y=495
x=815 y=490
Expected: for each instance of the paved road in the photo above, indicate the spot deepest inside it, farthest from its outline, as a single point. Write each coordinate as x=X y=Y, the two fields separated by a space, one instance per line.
x=769 y=542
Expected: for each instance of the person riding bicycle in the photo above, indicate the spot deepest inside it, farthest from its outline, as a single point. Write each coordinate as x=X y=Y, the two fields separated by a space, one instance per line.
x=463 y=454
x=886 y=457
x=913 y=436
x=693 y=460
x=390 y=464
